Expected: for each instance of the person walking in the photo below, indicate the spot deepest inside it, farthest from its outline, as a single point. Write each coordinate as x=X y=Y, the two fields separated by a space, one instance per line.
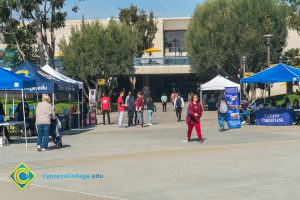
x=140 y=109
x=130 y=108
x=44 y=114
x=105 y=107
x=150 y=109
x=178 y=106
x=121 y=108
x=173 y=97
x=164 y=100
x=195 y=111
x=222 y=108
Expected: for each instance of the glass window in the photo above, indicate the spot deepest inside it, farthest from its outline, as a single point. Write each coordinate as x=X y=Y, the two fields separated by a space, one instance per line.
x=174 y=42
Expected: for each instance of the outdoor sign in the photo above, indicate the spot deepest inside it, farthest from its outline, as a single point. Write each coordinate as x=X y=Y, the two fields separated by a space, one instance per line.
x=92 y=96
x=233 y=113
x=101 y=82
x=274 y=117
x=247 y=74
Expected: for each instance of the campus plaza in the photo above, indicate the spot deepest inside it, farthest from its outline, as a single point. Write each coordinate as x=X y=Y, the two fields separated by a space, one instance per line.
x=156 y=162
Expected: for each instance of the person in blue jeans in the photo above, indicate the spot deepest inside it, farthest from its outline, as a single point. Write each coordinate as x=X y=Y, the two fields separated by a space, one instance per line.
x=44 y=114
x=150 y=108
x=222 y=108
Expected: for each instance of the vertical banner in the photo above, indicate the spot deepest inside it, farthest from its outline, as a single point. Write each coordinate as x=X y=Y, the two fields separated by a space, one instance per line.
x=92 y=96
x=233 y=113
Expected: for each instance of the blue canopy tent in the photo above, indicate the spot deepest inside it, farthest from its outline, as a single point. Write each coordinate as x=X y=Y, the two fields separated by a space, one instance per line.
x=45 y=82
x=278 y=73
x=12 y=82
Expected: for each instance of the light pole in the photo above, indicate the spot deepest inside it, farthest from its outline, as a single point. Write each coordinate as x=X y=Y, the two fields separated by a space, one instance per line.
x=244 y=71
x=268 y=39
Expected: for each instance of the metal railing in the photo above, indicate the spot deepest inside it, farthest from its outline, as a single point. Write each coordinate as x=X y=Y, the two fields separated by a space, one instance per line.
x=163 y=61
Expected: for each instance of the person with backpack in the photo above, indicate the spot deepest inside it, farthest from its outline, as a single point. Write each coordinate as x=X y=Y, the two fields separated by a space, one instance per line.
x=164 y=100
x=150 y=109
x=222 y=108
x=130 y=108
x=195 y=111
x=178 y=106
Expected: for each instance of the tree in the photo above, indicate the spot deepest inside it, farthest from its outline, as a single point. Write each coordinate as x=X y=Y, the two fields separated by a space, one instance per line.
x=94 y=51
x=44 y=15
x=294 y=15
x=292 y=57
x=20 y=46
x=146 y=24
x=222 y=31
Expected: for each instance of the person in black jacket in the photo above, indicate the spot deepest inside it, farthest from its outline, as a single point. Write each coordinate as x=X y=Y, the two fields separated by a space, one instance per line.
x=150 y=108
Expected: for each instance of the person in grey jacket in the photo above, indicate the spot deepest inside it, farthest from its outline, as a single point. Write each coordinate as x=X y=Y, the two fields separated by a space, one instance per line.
x=44 y=113
x=222 y=108
x=178 y=106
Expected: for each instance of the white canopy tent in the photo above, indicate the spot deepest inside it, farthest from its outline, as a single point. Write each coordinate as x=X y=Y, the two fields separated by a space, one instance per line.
x=217 y=83
x=60 y=76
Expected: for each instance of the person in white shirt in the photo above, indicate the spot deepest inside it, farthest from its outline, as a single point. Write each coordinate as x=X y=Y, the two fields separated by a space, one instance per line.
x=178 y=106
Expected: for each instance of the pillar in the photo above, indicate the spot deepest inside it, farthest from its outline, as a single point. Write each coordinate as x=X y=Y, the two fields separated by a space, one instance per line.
x=146 y=86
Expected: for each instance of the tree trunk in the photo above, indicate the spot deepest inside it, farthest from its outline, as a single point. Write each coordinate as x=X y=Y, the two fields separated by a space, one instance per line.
x=53 y=38
x=39 y=35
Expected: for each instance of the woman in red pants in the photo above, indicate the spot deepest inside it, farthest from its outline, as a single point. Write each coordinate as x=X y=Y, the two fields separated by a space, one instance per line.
x=195 y=111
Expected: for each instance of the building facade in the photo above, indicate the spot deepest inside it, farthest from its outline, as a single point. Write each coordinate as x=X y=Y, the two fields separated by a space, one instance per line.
x=166 y=70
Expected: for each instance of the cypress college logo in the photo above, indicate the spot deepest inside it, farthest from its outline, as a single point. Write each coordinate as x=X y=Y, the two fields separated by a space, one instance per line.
x=22 y=176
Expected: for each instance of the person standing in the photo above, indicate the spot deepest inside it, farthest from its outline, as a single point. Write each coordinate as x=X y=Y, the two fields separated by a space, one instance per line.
x=173 y=97
x=130 y=108
x=2 y=128
x=222 y=108
x=195 y=112
x=121 y=108
x=128 y=96
x=150 y=109
x=178 y=106
x=140 y=109
x=105 y=107
x=164 y=100
x=44 y=114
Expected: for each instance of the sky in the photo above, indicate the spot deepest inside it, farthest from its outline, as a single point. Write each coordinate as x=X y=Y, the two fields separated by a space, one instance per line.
x=103 y=9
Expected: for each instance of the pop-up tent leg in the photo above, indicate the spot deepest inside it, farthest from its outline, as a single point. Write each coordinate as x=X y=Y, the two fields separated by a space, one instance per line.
x=82 y=122
x=24 y=119
x=53 y=101
x=5 y=111
x=78 y=111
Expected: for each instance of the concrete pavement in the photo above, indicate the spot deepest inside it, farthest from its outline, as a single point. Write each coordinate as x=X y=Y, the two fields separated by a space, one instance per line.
x=156 y=163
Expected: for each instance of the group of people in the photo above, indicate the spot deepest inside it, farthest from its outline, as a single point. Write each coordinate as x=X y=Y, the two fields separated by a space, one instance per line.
x=135 y=110
x=134 y=106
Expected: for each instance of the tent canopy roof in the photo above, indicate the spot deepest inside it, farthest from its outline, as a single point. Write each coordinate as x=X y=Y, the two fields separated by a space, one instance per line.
x=60 y=76
x=278 y=73
x=12 y=81
x=218 y=83
x=45 y=82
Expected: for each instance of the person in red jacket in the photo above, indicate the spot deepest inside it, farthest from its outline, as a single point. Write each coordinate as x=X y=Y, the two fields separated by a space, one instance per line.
x=195 y=111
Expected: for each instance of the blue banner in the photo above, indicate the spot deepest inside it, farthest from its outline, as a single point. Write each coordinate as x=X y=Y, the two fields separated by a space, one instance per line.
x=233 y=113
x=279 y=117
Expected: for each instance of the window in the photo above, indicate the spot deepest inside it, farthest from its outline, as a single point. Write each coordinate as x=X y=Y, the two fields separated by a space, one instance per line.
x=174 y=43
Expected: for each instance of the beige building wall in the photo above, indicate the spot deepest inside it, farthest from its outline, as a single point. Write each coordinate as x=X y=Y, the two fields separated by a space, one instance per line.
x=293 y=40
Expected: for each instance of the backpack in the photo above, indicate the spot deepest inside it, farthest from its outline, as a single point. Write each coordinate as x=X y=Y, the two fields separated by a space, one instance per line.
x=130 y=103
x=178 y=102
x=223 y=107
